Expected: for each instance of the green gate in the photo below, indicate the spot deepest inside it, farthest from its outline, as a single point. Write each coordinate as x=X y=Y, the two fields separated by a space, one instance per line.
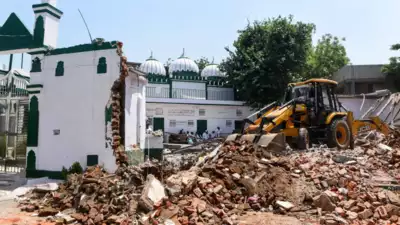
x=158 y=123
x=201 y=126
x=238 y=126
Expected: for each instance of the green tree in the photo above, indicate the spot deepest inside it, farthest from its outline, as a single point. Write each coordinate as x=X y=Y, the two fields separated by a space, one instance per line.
x=267 y=56
x=202 y=62
x=392 y=70
x=327 y=57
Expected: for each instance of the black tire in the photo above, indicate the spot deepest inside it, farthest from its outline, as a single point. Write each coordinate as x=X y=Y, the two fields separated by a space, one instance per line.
x=303 y=140
x=339 y=134
x=291 y=143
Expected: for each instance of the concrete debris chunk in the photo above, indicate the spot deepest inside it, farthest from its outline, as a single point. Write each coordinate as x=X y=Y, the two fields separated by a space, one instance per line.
x=284 y=204
x=152 y=193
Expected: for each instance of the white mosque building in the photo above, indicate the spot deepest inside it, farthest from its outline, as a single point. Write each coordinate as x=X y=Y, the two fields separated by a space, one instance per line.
x=180 y=96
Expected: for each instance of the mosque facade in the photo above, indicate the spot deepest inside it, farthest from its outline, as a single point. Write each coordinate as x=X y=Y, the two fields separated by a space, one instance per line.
x=181 y=96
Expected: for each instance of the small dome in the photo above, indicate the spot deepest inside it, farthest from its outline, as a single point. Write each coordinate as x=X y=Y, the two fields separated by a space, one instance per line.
x=212 y=70
x=153 y=66
x=183 y=64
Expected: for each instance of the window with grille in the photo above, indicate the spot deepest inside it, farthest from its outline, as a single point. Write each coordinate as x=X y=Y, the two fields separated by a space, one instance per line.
x=172 y=123
x=239 y=112
x=202 y=112
x=229 y=123
x=190 y=123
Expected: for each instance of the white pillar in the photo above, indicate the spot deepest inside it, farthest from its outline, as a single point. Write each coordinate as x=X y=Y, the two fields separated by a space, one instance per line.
x=142 y=116
x=130 y=115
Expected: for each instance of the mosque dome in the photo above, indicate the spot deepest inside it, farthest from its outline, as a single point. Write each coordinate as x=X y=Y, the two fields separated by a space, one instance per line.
x=183 y=64
x=153 y=66
x=212 y=70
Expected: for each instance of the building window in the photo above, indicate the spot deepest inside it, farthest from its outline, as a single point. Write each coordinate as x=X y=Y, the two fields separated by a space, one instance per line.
x=36 y=65
x=202 y=112
x=102 y=66
x=172 y=123
x=190 y=123
x=38 y=32
x=33 y=122
x=60 y=69
x=228 y=123
x=159 y=111
x=239 y=112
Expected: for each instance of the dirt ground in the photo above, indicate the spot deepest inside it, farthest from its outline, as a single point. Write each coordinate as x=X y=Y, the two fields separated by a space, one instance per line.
x=262 y=218
x=11 y=215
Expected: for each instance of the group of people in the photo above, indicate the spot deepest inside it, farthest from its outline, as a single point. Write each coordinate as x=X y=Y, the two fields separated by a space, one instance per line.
x=204 y=136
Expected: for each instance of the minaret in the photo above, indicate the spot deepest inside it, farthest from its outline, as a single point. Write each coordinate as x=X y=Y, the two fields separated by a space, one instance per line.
x=47 y=19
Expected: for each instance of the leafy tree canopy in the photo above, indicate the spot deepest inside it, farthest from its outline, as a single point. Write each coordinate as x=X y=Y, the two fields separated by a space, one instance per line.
x=202 y=62
x=393 y=68
x=267 y=56
x=327 y=57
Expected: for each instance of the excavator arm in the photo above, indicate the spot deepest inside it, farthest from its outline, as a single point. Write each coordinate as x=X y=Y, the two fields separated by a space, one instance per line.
x=373 y=123
x=271 y=119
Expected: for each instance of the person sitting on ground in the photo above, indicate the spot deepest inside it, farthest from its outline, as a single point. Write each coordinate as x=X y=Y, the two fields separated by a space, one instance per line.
x=205 y=135
x=213 y=134
x=190 y=140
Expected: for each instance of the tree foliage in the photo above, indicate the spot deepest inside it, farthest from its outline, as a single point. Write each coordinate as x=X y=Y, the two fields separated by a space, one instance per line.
x=202 y=62
x=327 y=57
x=392 y=70
x=267 y=56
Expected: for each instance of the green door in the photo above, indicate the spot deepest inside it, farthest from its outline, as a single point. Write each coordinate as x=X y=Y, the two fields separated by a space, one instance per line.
x=238 y=126
x=201 y=126
x=158 y=123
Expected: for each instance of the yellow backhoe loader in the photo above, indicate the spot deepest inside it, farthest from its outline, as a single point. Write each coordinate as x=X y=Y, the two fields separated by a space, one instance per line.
x=310 y=113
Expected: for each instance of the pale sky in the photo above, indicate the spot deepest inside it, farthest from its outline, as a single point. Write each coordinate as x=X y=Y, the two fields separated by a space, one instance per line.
x=205 y=27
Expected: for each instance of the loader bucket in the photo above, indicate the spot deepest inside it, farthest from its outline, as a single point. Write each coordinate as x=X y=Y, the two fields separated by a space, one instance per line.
x=272 y=141
x=245 y=137
x=232 y=137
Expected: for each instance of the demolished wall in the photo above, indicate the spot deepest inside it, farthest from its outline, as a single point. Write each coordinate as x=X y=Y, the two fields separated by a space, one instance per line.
x=387 y=107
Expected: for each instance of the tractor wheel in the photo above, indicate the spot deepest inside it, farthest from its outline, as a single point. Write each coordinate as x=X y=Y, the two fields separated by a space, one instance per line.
x=339 y=134
x=290 y=141
x=303 y=140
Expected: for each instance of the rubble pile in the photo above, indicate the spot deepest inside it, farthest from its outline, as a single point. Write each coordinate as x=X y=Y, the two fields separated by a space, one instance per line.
x=322 y=185
x=393 y=139
x=97 y=196
x=240 y=178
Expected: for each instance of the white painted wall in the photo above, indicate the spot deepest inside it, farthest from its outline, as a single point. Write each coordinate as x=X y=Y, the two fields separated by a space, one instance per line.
x=74 y=104
x=135 y=112
x=51 y=2
x=216 y=115
x=387 y=114
x=51 y=25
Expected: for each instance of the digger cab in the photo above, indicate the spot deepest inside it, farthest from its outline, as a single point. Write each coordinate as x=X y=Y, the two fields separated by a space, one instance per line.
x=325 y=120
x=319 y=97
x=308 y=113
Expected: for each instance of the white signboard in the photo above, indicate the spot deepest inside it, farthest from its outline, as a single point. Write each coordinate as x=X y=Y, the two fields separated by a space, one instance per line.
x=181 y=112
